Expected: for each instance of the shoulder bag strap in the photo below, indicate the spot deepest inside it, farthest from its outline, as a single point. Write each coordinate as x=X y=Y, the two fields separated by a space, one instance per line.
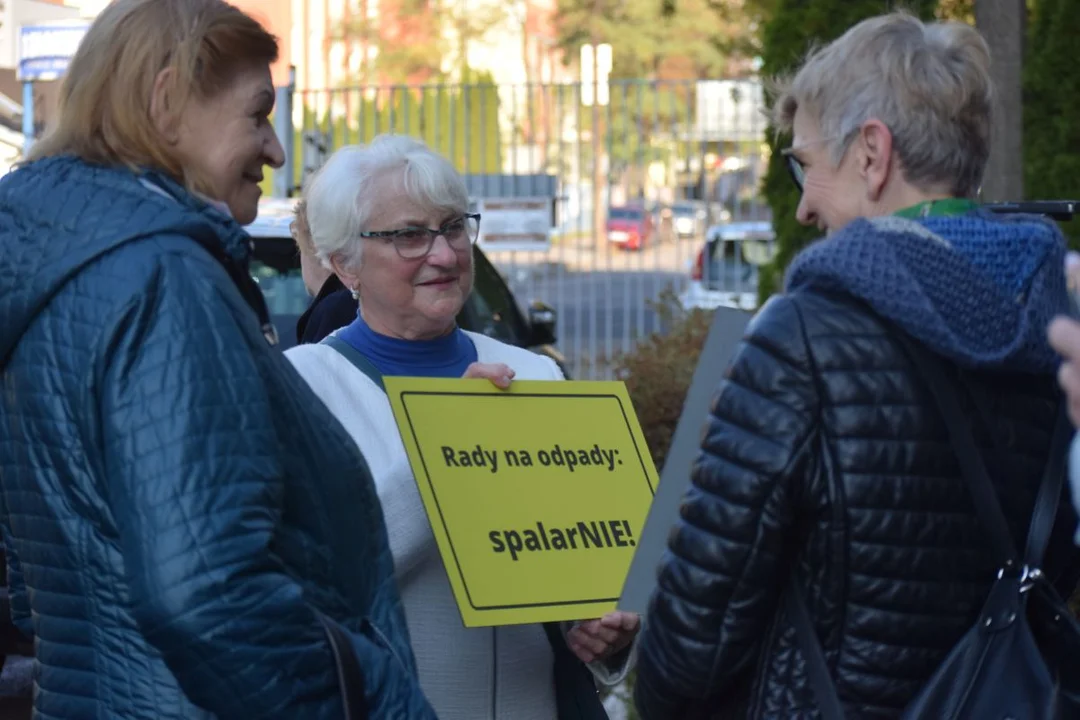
x=350 y=674
x=1048 y=500
x=982 y=490
x=357 y=358
x=1050 y=490
x=983 y=494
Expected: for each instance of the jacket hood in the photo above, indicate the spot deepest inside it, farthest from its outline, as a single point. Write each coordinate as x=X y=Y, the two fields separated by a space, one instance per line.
x=979 y=289
x=60 y=214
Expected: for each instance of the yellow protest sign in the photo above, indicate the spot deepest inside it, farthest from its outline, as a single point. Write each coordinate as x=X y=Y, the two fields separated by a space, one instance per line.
x=536 y=495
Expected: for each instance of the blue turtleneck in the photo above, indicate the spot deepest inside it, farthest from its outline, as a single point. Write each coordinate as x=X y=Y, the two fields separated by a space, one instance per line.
x=445 y=357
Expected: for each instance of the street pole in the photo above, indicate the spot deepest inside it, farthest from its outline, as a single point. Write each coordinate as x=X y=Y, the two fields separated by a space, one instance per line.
x=596 y=59
x=599 y=212
x=283 y=125
x=28 y=117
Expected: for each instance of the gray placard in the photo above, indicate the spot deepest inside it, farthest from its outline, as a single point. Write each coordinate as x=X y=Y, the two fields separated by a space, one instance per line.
x=727 y=330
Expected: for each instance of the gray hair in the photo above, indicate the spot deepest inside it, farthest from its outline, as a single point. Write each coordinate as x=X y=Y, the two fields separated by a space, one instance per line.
x=929 y=83
x=340 y=195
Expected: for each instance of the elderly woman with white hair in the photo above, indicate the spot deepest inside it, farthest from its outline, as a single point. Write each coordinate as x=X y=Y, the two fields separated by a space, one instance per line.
x=828 y=547
x=392 y=221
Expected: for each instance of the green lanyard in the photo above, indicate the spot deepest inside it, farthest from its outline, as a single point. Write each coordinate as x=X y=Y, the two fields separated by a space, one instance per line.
x=938 y=208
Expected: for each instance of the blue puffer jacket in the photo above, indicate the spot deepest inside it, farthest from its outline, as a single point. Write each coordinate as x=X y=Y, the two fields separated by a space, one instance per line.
x=177 y=503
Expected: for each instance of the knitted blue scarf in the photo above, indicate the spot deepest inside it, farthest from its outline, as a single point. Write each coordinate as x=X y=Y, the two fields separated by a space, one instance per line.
x=978 y=288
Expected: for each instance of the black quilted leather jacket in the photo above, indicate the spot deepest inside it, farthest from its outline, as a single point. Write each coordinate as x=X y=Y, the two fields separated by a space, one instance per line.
x=823 y=452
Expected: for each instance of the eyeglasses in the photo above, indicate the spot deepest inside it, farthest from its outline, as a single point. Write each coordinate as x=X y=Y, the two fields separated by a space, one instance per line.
x=796 y=167
x=413 y=243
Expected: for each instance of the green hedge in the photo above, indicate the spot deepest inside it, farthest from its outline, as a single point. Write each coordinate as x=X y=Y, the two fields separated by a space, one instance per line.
x=1052 y=106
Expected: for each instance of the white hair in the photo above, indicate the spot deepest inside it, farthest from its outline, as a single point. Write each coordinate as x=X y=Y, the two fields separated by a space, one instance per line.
x=340 y=195
x=929 y=83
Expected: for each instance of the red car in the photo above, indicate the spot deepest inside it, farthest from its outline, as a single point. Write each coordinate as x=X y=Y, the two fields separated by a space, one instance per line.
x=630 y=227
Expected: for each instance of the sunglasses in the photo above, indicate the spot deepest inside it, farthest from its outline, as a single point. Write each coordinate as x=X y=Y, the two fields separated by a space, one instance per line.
x=797 y=168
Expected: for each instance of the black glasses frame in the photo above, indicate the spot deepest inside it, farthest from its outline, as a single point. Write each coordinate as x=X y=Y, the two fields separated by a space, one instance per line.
x=472 y=232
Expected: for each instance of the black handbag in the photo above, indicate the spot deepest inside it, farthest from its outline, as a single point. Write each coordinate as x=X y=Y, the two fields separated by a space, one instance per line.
x=1021 y=660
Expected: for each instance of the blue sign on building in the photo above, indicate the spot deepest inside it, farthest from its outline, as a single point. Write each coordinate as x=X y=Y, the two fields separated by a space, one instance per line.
x=45 y=51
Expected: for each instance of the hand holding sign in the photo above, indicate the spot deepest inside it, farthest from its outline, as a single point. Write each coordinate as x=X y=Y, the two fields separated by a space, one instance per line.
x=499 y=374
x=600 y=639
x=504 y=476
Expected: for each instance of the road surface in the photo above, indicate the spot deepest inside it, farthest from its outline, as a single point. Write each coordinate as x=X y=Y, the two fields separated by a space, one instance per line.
x=602 y=296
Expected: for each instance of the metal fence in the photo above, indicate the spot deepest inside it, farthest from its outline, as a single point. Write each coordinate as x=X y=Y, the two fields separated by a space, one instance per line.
x=689 y=155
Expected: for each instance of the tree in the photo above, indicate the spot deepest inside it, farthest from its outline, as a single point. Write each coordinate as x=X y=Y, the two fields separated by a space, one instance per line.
x=418 y=41
x=962 y=10
x=706 y=35
x=629 y=25
x=712 y=36
x=1052 y=106
x=471 y=22
x=1002 y=23
x=409 y=48
x=789 y=29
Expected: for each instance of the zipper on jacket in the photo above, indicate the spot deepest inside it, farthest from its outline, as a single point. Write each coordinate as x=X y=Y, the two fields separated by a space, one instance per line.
x=494 y=673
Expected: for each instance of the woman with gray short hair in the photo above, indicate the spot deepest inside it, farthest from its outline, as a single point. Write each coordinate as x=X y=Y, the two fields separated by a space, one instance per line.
x=825 y=467
x=392 y=220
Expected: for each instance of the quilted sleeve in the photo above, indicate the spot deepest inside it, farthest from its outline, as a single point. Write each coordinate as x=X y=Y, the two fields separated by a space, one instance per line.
x=719 y=580
x=195 y=486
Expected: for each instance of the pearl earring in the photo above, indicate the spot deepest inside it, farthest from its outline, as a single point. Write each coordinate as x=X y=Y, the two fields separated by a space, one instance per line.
x=355 y=293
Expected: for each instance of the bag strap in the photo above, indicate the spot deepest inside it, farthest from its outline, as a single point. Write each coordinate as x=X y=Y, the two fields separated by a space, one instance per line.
x=987 y=505
x=972 y=467
x=1049 y=497
x=357 y=358
x=350 y=674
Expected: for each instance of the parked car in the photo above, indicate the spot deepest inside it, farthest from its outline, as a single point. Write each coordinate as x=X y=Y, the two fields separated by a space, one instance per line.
x=688 y=219
x=630 y=227
x=491 y=309
x=725 y=272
